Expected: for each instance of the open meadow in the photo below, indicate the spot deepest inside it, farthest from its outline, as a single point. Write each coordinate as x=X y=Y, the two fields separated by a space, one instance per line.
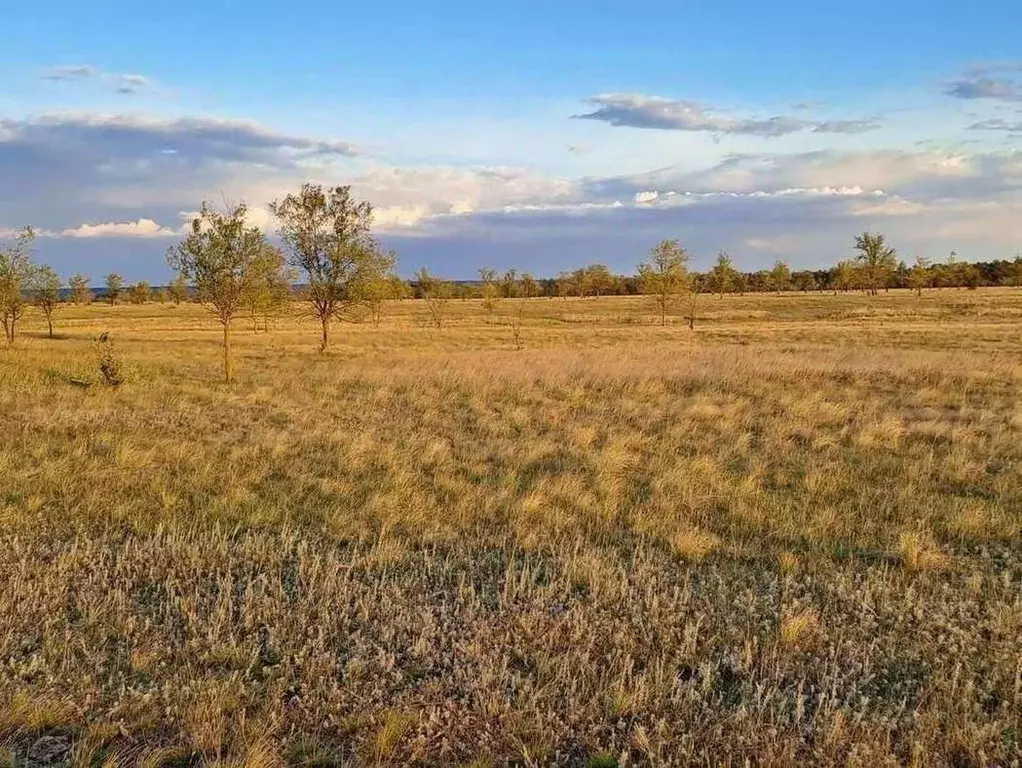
x=789 y=536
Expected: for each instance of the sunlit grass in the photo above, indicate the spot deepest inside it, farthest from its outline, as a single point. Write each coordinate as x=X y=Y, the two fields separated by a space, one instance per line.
x=791 y=535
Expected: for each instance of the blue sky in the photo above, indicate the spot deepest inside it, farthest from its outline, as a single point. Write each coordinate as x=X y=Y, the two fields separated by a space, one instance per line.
x=540 y=136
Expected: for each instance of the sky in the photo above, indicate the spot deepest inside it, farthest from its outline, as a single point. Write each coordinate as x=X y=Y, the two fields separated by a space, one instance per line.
x=540 y=136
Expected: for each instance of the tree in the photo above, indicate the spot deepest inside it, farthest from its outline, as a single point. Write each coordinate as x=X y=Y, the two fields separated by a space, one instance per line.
x=919 y=277
x=269 y=286
x=140 y=292
x=599 y=279
x=327 y=234
x=580 y=282
x=79 y=285
x=780 y=277
x=722 y=276
x=844 y=276
x=218 y=255
x=488 y=277
x=46 y=285
x=374 y=282
x=436 y=291
x=665 y=276
x=178 y=289
x=16 y=273
x=510 y=283
x=530 y=288
x=114 y=283
x=1014 y=272
x=161 y=295
x=876 y=261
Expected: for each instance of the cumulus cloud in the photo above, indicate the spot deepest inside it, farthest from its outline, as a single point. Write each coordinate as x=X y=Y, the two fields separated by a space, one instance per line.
x=653 y=112
x=983 y=87
x=139 y=228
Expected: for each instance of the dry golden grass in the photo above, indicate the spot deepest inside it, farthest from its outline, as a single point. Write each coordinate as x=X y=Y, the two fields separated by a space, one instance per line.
x=790 y=536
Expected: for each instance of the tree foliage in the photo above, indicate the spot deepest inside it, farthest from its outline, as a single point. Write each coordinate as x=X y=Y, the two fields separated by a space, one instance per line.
x=219 y=256
x=876 y=259
x=665 y=276
x=327 y=235
x=79 y=285
x=46 y=285
x=16 y=274
x=113 y=283
x=437 y=292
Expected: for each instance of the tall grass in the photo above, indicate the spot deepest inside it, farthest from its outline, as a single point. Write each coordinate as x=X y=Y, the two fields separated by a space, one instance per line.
x=790 y=536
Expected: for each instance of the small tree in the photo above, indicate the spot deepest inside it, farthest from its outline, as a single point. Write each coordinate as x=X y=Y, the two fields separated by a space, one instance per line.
x=919 y=277
x=488 y=277
x=780 y=277
x=218 y=256
x=327 y=233
x=140 y=292
x=46 y=285
x=114 y=283
x=530 y=288
x=580 y=282
x=436 y=291
x=665 y=276
x=79 y=285
x=269 y=288
x=16 y=274
x=722 y=276
x=509 y=283
x=876 y=260
x=374 y=282
x=1013 y=274
x=599 y=279
x=178 y=290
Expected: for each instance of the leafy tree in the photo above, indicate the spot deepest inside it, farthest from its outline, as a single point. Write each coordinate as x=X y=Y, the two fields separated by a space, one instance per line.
x=79 y=285
x=722 y=276
x=269 y=287
x=780 y=277
x=599 y=279
x=218 y=255
x=805 y=281
x=488 y=277
x=530 y=288
x=46 y=285
x=178 y=289
x=509 y=283
x=140 y=292
x=114 y=283
x=327 y=233
x=399 y=289
x=665 y=276
x=580 y=282
x=1014 y=272
x=161 y=295
x=436 y=291
x=16 y=273
x=876 y=260
x=374 y=283
x=844 y=276
x=919 y=277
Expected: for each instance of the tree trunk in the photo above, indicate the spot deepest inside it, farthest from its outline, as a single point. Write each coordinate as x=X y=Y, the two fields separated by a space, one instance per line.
x=228 y=362
x=49 y=322
x=325 y=342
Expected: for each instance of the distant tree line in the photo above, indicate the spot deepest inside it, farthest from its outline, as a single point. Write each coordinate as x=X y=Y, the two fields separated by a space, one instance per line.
x=332 y=264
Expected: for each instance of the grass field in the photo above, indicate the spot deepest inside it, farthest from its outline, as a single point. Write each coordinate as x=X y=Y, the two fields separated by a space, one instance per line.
x=789 y=536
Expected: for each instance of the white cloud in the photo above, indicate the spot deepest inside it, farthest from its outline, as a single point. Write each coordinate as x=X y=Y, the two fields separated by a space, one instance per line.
x=635 y=110
x=139 y=228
